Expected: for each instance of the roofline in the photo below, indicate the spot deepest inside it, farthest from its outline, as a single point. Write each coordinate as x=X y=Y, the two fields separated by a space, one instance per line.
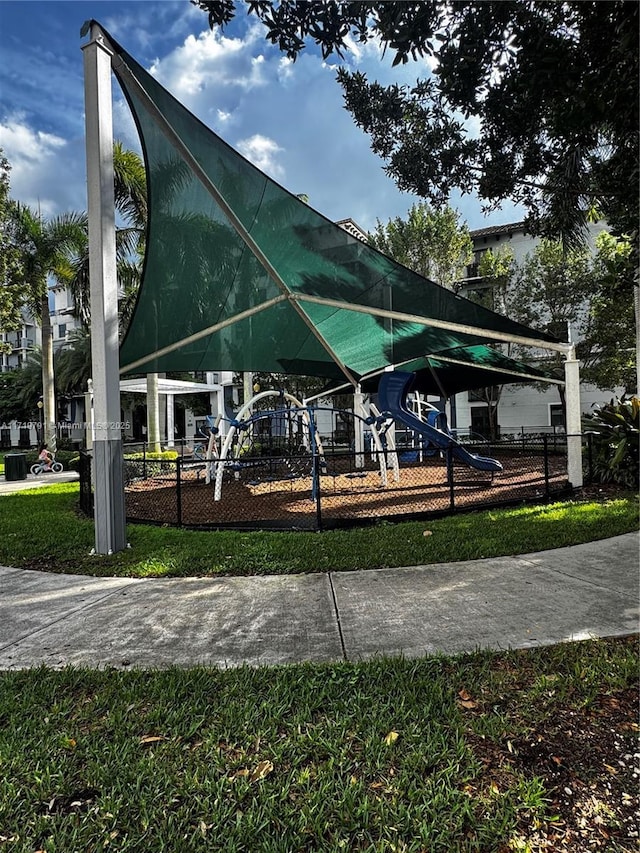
x=492 y=230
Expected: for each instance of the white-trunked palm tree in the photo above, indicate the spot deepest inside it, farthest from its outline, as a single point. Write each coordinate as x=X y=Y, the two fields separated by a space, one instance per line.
x=47 y=248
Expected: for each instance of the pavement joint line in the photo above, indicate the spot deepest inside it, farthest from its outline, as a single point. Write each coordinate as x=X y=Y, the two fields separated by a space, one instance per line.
x=337 y=615
x=553 y=571
x=16 y=641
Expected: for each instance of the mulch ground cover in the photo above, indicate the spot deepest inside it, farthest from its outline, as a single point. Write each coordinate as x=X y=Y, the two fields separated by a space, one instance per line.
x=588 y=759
x=286 y=499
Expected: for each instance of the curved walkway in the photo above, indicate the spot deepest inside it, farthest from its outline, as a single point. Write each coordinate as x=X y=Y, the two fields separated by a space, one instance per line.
x=506 y=602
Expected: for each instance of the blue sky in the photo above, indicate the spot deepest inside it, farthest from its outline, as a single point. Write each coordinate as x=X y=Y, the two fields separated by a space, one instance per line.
x=288 y=118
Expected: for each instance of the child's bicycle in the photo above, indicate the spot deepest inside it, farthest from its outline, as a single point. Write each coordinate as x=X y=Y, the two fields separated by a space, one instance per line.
x=45 y=468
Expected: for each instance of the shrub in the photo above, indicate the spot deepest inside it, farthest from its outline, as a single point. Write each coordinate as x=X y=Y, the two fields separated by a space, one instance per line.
x=164 y=454
x=615 y=430
x=139 y=465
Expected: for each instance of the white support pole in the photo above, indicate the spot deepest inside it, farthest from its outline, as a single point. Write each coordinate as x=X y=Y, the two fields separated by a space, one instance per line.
x=573 y=417
x=153 y=414
x=247 y=390
x=358 y=428
x=88 y=415
x=171 y=423
x=109 y=512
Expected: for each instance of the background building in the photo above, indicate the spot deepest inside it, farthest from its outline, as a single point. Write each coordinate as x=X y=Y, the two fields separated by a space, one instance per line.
x=522 y=407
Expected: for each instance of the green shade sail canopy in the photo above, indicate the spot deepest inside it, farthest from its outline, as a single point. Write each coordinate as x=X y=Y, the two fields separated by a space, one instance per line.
x=465 y=369
x=242 y=275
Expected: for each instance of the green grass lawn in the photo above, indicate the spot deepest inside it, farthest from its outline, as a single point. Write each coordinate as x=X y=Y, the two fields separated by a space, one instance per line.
x=474 y=753
x=43 y=529
x=489 y=752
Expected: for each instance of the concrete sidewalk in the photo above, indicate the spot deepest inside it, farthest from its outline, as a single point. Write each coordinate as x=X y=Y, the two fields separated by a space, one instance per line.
x=535 y=599
x=8 y=487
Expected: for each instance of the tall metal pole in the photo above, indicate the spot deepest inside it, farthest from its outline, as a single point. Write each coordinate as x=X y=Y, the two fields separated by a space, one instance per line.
x=109 y=512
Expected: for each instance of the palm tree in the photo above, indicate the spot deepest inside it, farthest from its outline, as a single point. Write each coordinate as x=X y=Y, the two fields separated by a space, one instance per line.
x=73 y=363
x=131 y=205
x=20 y=390
x=74 y=367
x=47 y=248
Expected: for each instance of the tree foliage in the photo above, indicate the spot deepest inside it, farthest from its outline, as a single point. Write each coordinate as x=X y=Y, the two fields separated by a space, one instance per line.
x=552 y=86
x=430 y=242
x=569 y=293
x=73 y=363
x=608 y=348
x=130 y=194
x=21 y=389
x=551 y=289
x=46 y=248
x=298 y=386
x=10 y=263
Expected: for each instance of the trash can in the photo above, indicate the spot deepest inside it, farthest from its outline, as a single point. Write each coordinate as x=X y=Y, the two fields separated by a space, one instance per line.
x=15 y=466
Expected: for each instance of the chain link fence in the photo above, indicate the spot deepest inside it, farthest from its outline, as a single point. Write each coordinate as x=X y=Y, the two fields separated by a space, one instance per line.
x=339 y=487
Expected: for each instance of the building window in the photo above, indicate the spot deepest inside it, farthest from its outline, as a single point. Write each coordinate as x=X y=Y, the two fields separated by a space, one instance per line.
x=480 y=420
x=62 y=330
x=556 y=416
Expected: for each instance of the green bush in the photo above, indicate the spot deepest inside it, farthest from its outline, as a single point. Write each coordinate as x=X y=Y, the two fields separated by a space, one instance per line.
x=615 y=430
x=138 y=465
x=164 y=454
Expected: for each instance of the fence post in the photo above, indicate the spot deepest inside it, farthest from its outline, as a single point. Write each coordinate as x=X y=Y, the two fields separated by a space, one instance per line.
x=590 y=476
x=179 y=491
x=545 y=445
x=317 y=487
x=452 y=497
x=144 y=460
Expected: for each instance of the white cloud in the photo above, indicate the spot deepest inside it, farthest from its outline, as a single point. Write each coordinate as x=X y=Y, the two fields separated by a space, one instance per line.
x=44 y=172
x=286 y=117
x=209 y=63
x=172 y=20
x=285 y=69
x=262 y=152
x=26 y=144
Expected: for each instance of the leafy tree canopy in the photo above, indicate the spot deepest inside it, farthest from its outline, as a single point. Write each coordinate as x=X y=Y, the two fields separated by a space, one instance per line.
x=10 y=260
x=20 y=390
x=431 y=242
x=608 y=348
x=553 y=87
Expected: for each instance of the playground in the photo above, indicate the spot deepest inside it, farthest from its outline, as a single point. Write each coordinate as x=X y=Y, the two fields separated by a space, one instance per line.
x=344 y=499
x=241 y=275
x=279 y=463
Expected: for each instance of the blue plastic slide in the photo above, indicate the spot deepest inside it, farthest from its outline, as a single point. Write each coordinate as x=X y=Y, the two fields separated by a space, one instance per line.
x=392 y=398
